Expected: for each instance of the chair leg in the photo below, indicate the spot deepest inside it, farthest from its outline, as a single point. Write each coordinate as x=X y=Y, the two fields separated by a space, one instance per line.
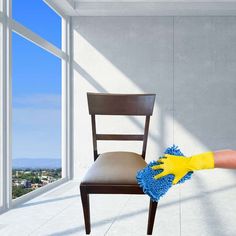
x=85 y=203
x=151 y=216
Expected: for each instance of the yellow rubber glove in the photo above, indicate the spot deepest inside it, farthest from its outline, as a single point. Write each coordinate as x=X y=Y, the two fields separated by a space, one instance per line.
x=180 y=166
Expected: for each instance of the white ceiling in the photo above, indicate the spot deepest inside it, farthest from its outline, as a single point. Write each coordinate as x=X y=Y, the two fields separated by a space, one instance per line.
x=144 y=7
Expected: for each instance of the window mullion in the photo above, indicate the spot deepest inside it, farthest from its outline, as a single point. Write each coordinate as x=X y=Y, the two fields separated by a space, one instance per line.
x=6 y=107
x=1 y=108
x=67 y=157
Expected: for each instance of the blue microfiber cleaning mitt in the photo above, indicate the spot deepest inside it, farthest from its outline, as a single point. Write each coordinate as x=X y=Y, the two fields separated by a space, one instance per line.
x=156 y=188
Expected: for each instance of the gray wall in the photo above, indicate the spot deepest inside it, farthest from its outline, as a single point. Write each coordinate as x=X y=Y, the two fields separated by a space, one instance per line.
x=189 y=62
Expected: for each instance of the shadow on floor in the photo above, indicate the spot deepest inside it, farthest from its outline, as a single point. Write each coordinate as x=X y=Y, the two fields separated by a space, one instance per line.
x=49 y=200
x=98 y=223
x=145 y=210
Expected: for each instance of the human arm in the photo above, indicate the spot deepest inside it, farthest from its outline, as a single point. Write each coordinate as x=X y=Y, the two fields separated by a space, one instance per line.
x=225 y=159
x=179 y=166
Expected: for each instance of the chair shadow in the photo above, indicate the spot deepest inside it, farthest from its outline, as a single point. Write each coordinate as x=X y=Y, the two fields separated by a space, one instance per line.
x=145 y=210
x=98 y=223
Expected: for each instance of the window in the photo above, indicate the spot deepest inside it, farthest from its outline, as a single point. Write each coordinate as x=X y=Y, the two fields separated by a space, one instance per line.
x=36 y=99
x=38 y=17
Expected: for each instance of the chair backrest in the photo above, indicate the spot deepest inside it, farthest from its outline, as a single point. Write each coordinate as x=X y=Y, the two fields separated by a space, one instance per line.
x=120 y=104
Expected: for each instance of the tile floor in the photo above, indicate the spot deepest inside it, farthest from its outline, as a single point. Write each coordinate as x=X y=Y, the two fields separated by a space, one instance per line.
x=204 y=206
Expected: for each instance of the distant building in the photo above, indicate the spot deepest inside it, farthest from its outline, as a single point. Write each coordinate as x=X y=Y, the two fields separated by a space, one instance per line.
x=16 y=184
x=26 y=183
x=35 y=186
x=28 y=172
x=19 y=172
x=44 y=177
x=45 y=182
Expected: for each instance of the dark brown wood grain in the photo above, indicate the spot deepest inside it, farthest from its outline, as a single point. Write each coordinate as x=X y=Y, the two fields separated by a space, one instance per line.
x=121 y=104
x=120 y=137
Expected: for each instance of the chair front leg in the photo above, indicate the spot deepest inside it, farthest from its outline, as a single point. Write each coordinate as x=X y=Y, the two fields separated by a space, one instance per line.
x=86 y=210
x=151 y=216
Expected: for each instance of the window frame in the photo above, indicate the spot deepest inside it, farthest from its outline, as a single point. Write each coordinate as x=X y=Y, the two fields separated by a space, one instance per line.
x=1 y=105
x=9 y=25
x=5 y=100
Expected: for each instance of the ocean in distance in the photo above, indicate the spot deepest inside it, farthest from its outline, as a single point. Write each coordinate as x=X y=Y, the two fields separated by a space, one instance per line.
x=37 y=163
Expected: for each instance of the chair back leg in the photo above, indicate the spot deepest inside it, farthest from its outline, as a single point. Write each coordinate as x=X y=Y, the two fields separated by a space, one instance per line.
x=151 y=216
x=86 y=208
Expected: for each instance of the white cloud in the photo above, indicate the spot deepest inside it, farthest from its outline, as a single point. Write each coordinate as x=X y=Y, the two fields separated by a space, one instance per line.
x=47 y=101
x=37 y=126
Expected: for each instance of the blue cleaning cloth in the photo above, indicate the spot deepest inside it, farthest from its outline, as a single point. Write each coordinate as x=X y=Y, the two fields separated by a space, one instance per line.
x=156 y=188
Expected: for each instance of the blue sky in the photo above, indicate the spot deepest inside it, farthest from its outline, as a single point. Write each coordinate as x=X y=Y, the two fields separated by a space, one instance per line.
x=36 y=84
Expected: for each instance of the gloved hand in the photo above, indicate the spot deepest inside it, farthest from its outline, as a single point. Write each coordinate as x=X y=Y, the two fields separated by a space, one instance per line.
x=180 y=166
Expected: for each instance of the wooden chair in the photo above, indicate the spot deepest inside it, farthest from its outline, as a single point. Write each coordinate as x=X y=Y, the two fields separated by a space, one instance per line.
x=115 y=172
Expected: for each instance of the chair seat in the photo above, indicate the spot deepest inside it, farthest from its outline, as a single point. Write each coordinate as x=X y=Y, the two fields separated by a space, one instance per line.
x=114 y=168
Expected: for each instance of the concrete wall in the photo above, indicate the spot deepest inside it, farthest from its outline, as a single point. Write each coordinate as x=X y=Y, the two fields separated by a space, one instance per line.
x=189 y=62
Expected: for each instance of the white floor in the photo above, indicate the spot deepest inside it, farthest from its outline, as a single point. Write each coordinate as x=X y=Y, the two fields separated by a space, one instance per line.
x=205 y=205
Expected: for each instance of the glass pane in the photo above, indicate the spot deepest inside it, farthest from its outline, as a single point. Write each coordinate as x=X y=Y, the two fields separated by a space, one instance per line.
x=36 y=85
x=39 y=17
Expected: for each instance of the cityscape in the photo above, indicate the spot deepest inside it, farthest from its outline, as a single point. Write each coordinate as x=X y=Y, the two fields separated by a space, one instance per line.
x=27 y=180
